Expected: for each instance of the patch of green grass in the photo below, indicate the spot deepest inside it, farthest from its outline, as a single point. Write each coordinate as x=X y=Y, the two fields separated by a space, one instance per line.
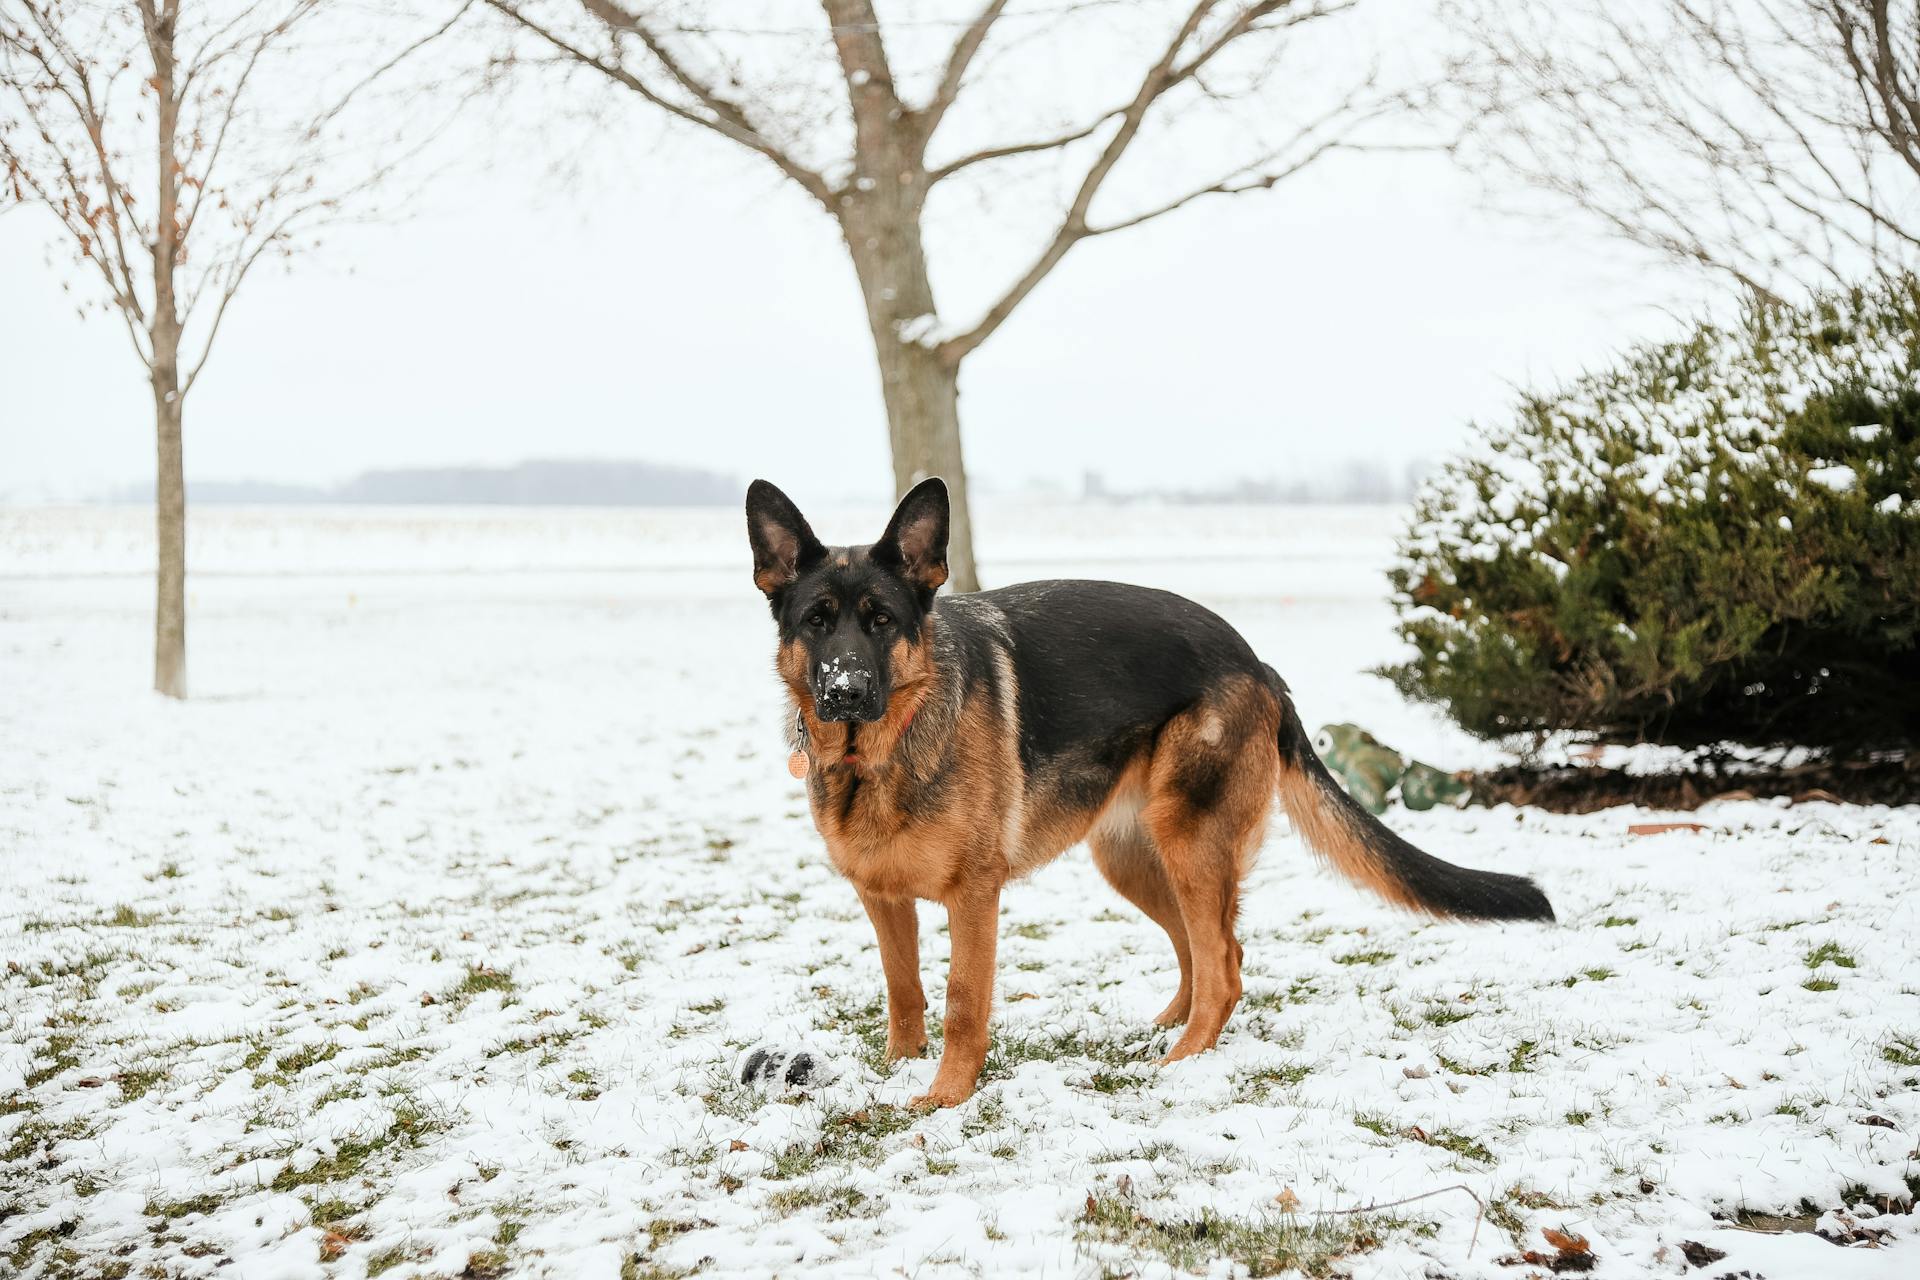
x=45 y=1245
x=1458 y=1143
x=1820 y=984
x=1374 y=1122
x=547 y=1042
x=183 y=1208
x=386 y=1260
x=846 y=1137
x=1587 y=975
x=1446 y=1139
x=136 y=1082
x=488 y=1264
x=839 y=1201
x=1520 y=1060
x=1113 y=1081
x=708 y=1006
x=1265 y=1246
x=257 y=1050
x=1007 y=1051
x=1031 y=931
x=1829 y=953
x=1578 y=1118
x=56 y=1056
x=989 y=1113
x=288 y=1066
x=325 y=1212
x=125 y=917
x=1444 y=1015
x=1619 y=922
x=26 y=1139
x=1902 y=1051
x=480 y=980
x=865 y=1022
x=1260 y=1084
x=1364 y=957
x=350 y=1155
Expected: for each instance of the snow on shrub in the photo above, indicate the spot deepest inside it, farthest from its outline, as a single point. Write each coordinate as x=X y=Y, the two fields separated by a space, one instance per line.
x=1715 y=541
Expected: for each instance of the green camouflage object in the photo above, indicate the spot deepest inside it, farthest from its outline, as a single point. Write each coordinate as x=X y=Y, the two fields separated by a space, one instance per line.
x=1422 y=786
x=1373 y=773
x=1367 y=769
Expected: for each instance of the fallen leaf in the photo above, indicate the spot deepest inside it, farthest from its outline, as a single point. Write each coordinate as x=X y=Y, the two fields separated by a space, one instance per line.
x=1661 y=828
x=1699 y=1254
x=736 y=1145
x=1288 y=1202
x=90 y=1082
x=1565 y=1242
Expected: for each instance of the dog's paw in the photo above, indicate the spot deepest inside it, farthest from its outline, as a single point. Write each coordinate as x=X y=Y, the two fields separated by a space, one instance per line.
x=786 y=1067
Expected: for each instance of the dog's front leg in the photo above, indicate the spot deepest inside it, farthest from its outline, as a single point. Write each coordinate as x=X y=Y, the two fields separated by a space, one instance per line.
x=896 y=922
x=973 y=920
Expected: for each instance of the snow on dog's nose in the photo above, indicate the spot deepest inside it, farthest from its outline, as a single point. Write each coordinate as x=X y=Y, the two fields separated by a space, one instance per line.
x=843 y=688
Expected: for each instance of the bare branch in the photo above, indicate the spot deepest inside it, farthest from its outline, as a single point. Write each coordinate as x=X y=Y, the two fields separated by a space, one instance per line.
x=964 y=50
x=1174 y=67
x=1765 y=140
x=722 y=115
x=1067 y=139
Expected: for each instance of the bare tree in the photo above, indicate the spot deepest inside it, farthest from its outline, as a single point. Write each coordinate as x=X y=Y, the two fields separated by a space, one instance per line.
x=1777 y=141
x=873 y=117
x=179 y=143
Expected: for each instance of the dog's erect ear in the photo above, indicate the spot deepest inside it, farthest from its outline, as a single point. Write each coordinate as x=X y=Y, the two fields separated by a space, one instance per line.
x=915 y=542
x=782 y=543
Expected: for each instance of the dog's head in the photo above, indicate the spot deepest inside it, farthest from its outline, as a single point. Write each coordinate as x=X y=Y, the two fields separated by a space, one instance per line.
x=853 y=620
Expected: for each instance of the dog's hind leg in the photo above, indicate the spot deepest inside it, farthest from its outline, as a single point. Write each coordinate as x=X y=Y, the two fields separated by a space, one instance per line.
x=1127 y=858
x=1209 y=789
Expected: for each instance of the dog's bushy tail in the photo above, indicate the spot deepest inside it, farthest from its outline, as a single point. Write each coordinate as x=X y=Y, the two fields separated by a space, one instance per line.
x=1361 y=848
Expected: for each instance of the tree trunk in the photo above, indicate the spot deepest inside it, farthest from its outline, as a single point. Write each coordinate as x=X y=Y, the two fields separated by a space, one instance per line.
x=923 y=427
x=170 y=517
x=921 y=388
x=163 y=328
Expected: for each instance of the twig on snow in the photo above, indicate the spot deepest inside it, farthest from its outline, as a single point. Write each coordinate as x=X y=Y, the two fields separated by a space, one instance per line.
x=1480 y=1208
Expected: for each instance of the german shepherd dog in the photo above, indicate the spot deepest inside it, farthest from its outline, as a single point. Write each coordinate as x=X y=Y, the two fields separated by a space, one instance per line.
x=952 y=745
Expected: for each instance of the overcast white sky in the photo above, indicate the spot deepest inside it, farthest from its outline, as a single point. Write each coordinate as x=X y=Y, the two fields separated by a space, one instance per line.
x=677 y=303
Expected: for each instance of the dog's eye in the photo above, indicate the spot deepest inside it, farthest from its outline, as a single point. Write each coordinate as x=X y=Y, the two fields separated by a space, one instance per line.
x=816 y=619
x=881 y=619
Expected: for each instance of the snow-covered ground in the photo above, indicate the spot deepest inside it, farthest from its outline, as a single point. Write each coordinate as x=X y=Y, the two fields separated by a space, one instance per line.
x=423 y=939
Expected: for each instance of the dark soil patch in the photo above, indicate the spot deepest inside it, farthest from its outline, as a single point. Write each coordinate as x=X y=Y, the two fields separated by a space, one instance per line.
x=1584 y=789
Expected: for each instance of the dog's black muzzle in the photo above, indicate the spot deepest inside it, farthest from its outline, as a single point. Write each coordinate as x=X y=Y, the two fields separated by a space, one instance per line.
x=845 y=690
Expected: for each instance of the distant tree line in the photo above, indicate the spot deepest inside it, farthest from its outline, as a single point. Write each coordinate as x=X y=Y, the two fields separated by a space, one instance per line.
x=551 y=483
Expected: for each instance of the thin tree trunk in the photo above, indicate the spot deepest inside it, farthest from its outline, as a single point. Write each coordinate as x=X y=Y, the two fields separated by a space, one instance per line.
x=170 y=489
x=920 y=387
x=170 y=516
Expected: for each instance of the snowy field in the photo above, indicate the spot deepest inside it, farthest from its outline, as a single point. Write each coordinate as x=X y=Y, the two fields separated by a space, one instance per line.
x=423 y=939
